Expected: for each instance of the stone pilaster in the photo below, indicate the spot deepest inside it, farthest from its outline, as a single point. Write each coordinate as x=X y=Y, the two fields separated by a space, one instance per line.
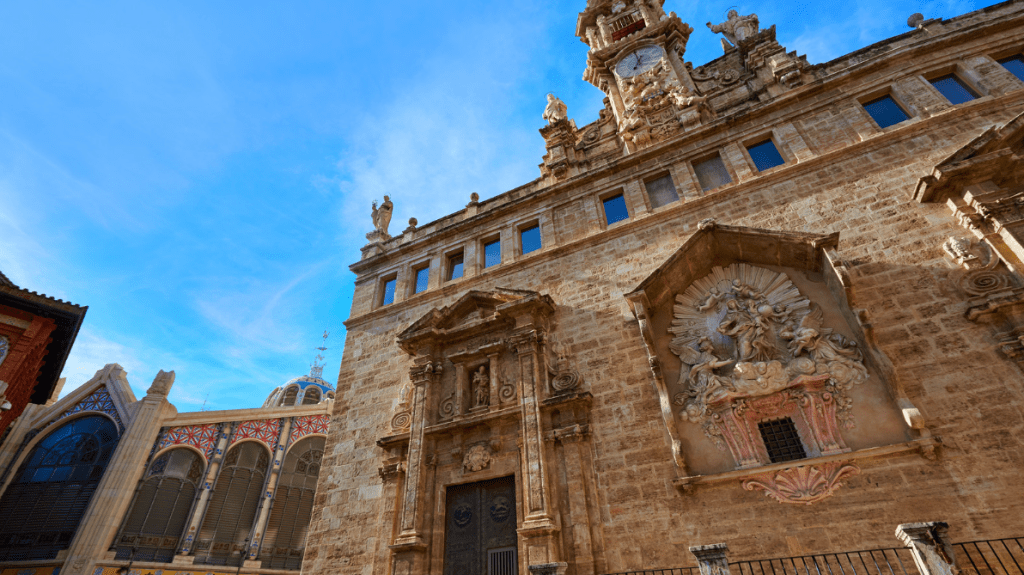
x=409 y=547
x=929 y=542
x=260 y=527
x=538 y=526
x=712 y=559
x=574 y=442
x=206 y=490
x=107 y=509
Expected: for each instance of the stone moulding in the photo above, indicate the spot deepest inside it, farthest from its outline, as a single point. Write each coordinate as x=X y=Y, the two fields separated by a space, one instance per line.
x=804 y=484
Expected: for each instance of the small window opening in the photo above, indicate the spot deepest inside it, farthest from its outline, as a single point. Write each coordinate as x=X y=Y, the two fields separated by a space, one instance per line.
x=530 y=239
x=954 y=89
x=388 y=297
x=885 y=112
x=492 y=253
x=781 y=440
x=661 y=191
x=711 y=173
x=615 y=209
x=1015 y=65
x=455 y=265
x=422 y=279
x=765 y=155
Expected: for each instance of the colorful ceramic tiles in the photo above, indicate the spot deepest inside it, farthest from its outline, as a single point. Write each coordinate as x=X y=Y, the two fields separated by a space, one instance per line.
x=309 y=424
x=202 y=437
x=99 y=401
x=266 y=430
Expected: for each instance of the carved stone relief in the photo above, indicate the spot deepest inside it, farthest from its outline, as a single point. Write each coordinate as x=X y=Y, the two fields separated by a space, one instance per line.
x=805 y=484
x=402 y=418
x=565 y=378
x=477 y=458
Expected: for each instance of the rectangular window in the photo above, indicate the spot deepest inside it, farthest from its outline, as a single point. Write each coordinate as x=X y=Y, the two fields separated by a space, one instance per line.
x=1015 y=64
x=422 y=279
x=711 y=173
x=765 y=155
x=492 y=253
x=615 y=209
x=388 y=295
x=885 y=112
x=661 y=191
x=781 y=440
x=953 y=88
x=454 y=266
x=530 y=239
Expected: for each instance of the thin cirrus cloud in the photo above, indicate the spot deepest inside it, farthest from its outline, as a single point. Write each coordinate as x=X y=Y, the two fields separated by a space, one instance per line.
x=201 y=176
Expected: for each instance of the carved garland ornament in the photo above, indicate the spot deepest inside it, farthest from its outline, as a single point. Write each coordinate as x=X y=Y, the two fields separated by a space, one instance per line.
x=744 y=333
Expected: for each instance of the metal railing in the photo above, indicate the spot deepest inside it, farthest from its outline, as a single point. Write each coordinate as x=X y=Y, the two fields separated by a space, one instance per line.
x=990 y=557
x=993 y=557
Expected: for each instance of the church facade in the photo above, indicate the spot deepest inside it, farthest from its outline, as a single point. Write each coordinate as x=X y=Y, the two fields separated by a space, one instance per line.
x=759 y=302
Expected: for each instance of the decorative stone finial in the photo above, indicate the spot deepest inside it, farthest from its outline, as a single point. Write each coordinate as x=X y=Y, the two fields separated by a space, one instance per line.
x=556 y=110
x=706 y=224
x=162 y=383
x=474 y=198
x=916 y=20
x=413 y=222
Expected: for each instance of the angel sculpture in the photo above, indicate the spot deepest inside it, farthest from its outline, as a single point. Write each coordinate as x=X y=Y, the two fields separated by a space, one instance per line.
x=832 y=353
x=739 y=324
x=704 y=384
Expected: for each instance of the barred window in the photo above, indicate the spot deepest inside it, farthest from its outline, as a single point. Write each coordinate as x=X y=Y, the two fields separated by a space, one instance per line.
x=43 y=506
x=781 y=440
x=232 y=510
x=162 y=504
x=285 y=540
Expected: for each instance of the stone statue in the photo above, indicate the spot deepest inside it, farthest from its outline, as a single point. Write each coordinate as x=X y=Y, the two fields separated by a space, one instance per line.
x=382 y=216
x=556 y=110
x=481 y=387
x=737 y=28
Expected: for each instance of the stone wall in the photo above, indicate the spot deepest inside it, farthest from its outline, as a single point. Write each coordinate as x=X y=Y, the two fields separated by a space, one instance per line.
x=843 y=174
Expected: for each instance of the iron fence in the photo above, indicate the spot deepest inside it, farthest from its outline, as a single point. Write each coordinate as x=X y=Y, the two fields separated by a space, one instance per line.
x=990 y=557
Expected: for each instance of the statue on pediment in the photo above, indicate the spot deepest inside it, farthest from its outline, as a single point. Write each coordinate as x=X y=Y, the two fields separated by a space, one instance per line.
x=556 y=110
x=736 y=28
x=382 y=216
x=481 y=387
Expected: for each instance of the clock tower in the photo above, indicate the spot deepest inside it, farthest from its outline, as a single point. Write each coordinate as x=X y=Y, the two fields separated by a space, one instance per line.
x=636 y=58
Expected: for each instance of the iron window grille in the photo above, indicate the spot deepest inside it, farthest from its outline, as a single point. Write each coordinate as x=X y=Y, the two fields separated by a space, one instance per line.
x=160 y=511
x=285 y=540
x=781 y=440
x=236 y=497
x=44 y=504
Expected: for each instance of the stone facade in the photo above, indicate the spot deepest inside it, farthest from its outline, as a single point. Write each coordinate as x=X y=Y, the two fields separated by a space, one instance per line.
x=628 y=374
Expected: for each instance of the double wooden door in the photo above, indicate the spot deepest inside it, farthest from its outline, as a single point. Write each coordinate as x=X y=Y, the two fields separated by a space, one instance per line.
x=480 y=528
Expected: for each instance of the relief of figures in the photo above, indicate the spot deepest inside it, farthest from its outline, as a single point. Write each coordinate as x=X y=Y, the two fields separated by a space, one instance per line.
x=746 y=332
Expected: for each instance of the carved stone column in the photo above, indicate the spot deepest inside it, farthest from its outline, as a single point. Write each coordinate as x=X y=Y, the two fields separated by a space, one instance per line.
x=492 y=372
x=930 y=544
x=409 y=545
x=712 y=559
x=206 y=489
x=260 y=527
x=103 y=517
x=538 y=526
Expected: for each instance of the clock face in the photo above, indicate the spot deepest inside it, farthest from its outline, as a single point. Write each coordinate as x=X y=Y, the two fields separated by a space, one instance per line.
x=639 y=61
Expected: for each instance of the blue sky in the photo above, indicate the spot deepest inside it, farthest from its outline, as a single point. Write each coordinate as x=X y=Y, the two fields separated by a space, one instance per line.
x=200 y=174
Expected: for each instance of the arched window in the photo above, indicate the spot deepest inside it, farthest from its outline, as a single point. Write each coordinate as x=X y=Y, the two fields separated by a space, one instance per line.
x=289 y=395
x=285 y=539
x=232 y=510
x=312 y=396
x=41 y=509
x=161 y=507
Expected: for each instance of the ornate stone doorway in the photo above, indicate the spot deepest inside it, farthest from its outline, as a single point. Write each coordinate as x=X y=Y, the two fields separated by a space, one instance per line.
x=480 y=528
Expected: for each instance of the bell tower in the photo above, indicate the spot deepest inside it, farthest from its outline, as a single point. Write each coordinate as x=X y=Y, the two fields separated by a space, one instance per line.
x=636 y=58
